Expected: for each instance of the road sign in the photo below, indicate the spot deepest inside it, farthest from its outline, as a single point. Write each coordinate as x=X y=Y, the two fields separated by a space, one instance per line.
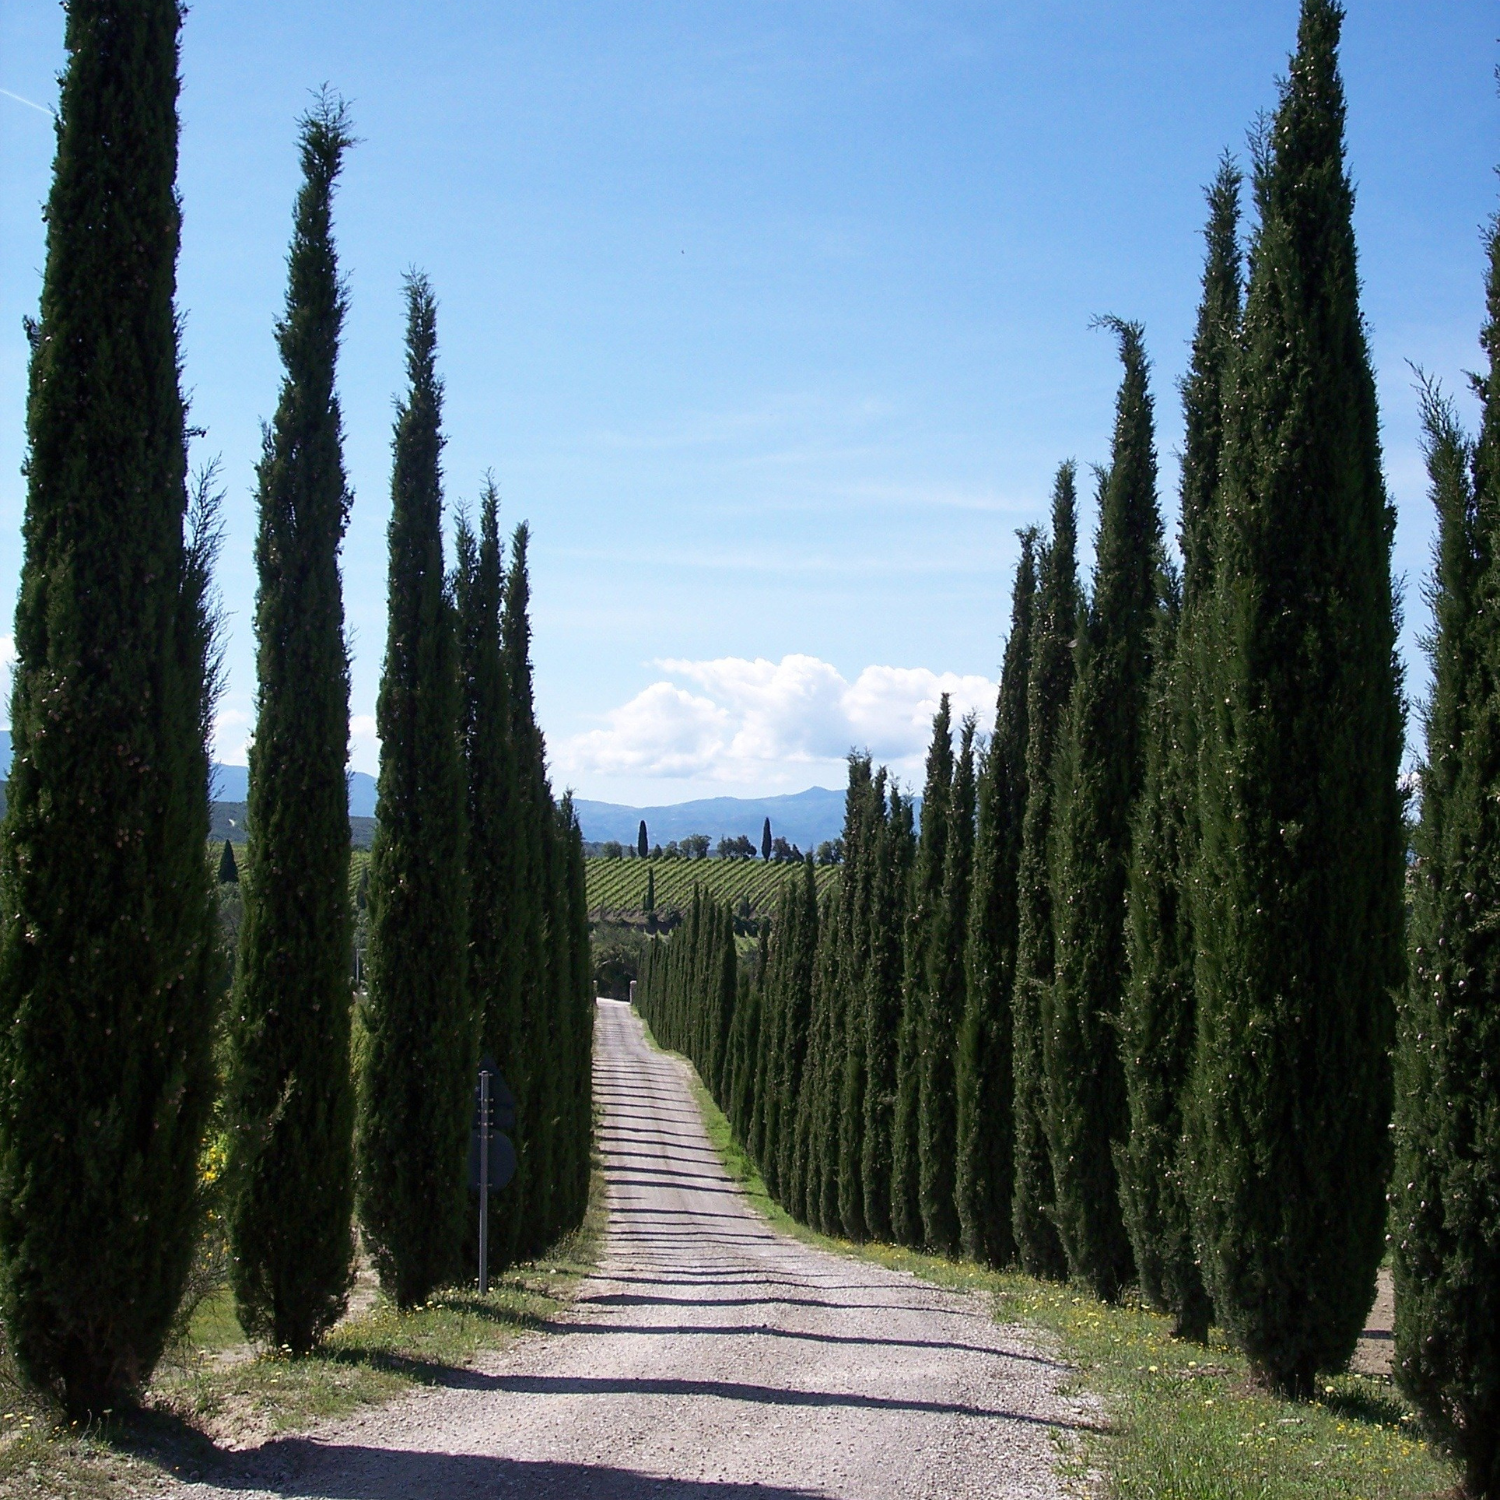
x=502 y=1160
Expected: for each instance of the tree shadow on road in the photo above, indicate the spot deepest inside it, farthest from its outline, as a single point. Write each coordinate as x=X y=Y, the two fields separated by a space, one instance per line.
x=299 y=1470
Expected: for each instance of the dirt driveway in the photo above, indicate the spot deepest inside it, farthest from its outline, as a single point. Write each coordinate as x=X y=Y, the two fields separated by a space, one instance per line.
x=711 y=1357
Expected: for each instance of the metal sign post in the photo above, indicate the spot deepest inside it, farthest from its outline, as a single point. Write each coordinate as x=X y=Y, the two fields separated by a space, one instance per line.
x=484 y=1181
x=492 y=1155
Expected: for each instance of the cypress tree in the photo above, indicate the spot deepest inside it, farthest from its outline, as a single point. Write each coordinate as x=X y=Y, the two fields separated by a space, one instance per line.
x=937 y=1135
x=1298 y=905
x=921 y=928
x=863 y=816
x=726 y=997
x=1098 y=780
x=815 y=1165
x=415 y=1099
x=291 y=1092
x=986 y=1135
x=892 y=861
x=533 y=833
x=1047 y=694
x=797 y=980
x=642 y=844
x=107 y=962
x=579 y=1154
x=1447 y=1181
x=491 y=797
x=1158 y=1021
x=765 y=840
x=229 y=870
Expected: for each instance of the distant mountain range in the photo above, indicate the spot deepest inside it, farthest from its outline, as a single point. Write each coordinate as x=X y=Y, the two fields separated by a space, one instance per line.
x=802 y=818
x=232 y=784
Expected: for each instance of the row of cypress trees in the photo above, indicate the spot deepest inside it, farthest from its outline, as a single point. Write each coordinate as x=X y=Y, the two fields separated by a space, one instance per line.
x=478 y=922
x=1122 y=1010
x=110 y=979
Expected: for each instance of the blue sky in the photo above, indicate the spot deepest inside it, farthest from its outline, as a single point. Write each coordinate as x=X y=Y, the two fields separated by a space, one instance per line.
x=772 y=319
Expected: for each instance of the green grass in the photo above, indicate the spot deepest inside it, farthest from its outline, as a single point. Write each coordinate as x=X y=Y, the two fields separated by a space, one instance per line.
x=620 y=884
x=1182 y=1422
x=199 y=1396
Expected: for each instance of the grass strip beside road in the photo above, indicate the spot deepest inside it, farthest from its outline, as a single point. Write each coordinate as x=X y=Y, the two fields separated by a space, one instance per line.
x=1185 y=1421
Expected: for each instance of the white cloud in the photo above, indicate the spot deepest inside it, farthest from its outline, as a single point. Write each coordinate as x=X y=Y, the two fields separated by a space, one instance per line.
x=767 y=723
x=231 y=745
x=364 y=744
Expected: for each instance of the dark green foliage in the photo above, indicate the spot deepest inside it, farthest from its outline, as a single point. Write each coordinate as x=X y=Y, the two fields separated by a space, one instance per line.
x=1158 y=1021
x=1298 y=902
x=1099 y=776
x=642 y=844
x=491 y=808
x=765 y=840
x=415 y=1099
x=291 y=1097
x=793 y=965
x=1204 y=388
x=229 y=871
x=1447 y=1183
x=1047 y=696
x=551 y=1040
x=862 y=841
x=892 y=856
x=937 y=1127
x=926 y=903
x=986 y=1136
x=108 y=969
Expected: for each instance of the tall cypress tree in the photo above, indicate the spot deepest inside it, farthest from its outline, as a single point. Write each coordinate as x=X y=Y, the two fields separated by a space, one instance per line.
x=532 y=832
x=1099 y=778
x=892 y=861
x=1158 y=1020
x=491 y=804
x=1047 y=695
x=937 y=1130
x=1298 y=906
x=986 y=1135
x=1447 y=1181
x=864 y=814
x=107 y=964
x=291 y=1093
x=415 y=1100
x=579 y=1156
x=921 y=927
x=796 y=1005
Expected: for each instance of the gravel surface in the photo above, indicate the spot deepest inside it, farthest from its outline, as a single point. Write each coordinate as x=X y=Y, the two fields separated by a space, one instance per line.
x=711 y=1358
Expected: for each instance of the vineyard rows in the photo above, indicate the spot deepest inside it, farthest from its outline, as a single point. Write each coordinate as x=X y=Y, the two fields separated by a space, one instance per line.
x=620 y=884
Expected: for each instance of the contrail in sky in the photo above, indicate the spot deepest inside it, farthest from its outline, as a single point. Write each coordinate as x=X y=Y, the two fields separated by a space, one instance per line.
x=30 y=103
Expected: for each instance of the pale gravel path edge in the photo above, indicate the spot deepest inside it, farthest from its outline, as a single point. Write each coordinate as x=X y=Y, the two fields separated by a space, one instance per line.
x=709 y=1357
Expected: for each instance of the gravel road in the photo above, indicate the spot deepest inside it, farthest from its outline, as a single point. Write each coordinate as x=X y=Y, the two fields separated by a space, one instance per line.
x=710 y=1358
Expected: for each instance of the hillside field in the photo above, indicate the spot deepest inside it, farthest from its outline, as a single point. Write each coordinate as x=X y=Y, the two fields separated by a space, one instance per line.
x=619 y=885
